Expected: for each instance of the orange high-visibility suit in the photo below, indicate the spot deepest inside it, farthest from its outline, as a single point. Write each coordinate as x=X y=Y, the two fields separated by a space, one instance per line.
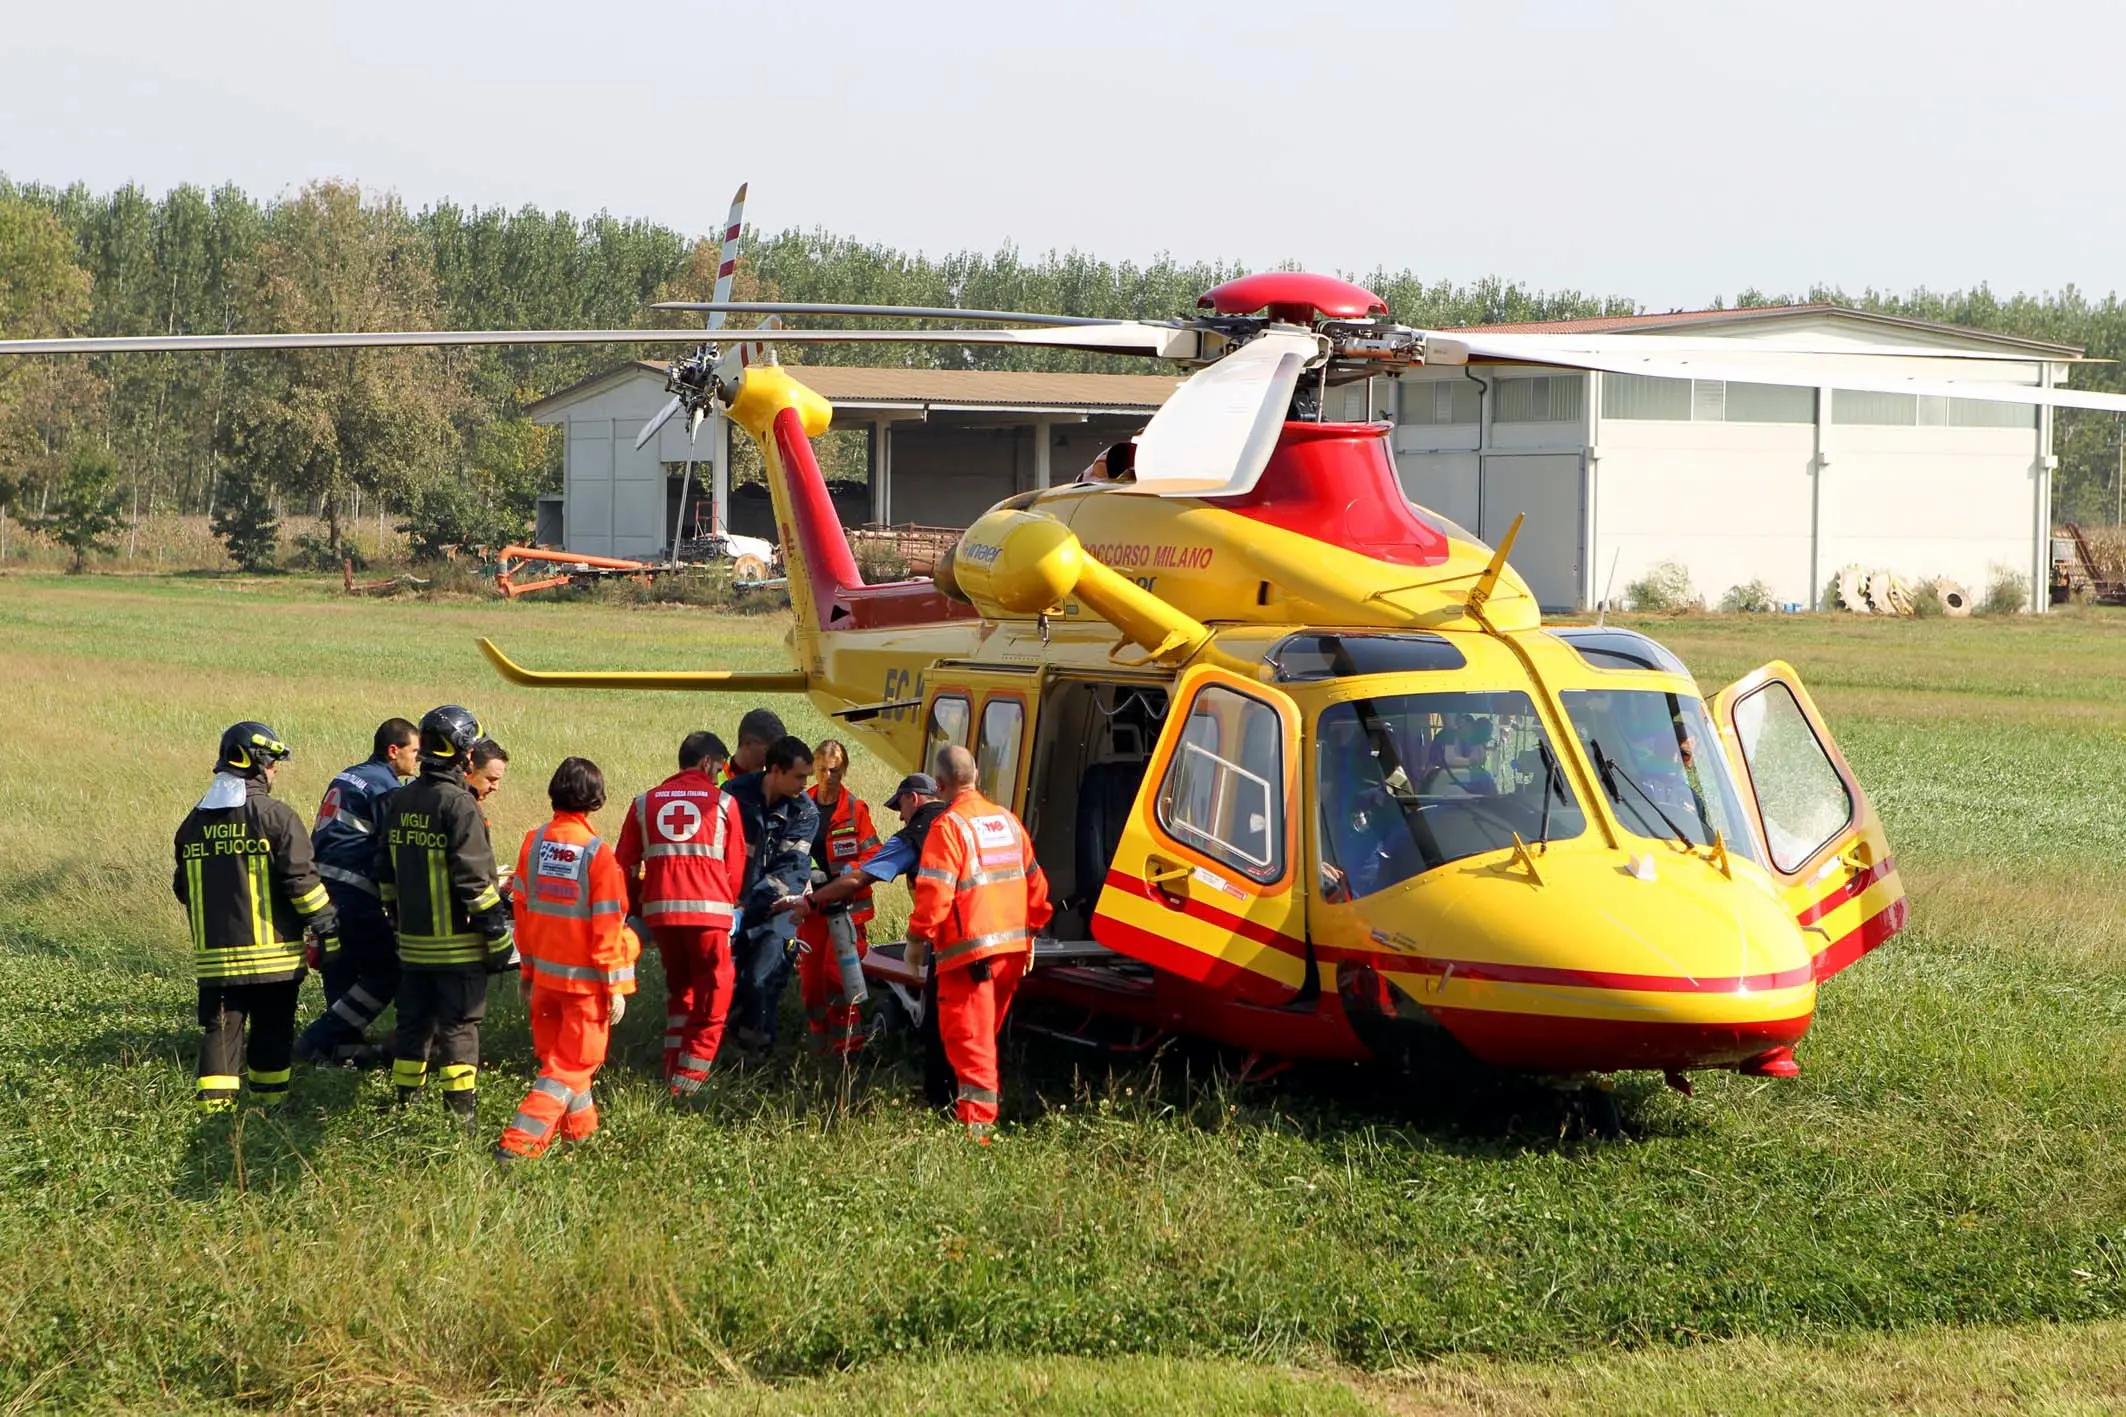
x=979 y=897
x=570 y=901
x=686 y=838
x=847 y=840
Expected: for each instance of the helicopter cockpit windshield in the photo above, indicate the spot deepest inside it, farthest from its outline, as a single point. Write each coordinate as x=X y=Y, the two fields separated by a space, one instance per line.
x=1660 y=764
x=1413 y=781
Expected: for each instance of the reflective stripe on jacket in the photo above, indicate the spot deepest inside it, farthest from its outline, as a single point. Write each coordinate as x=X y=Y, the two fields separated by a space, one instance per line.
x=978 y=890
x=846 y=840
x=435 y=873
x=245 y=876
x=687 y=841
x=570 y=900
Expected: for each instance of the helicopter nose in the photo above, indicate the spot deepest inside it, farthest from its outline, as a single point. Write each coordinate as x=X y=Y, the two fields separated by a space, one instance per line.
x=1657 y=961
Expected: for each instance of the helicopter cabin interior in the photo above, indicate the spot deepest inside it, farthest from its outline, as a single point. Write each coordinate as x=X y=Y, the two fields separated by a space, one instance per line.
x=1073 y=779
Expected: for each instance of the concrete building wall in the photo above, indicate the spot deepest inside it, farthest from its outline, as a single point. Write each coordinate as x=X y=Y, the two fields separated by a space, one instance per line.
x=1958 y=502
x=1730 y=501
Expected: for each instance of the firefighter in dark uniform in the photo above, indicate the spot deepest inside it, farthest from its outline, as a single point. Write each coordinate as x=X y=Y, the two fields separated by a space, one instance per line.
x=246 y=879
x=362 y=977
x=435 y=872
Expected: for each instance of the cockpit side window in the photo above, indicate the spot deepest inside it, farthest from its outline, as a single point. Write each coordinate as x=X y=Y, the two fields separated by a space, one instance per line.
x=1223 y=793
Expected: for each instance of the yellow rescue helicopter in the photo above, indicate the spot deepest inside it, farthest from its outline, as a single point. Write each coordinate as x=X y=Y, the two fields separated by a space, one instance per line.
x=1309 y=775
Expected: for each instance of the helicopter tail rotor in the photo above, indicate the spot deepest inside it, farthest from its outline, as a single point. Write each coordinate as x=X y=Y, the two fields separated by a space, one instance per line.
x=692 y=379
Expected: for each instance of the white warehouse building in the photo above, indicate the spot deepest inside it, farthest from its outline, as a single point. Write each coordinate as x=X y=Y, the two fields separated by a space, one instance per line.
x=1737 y=482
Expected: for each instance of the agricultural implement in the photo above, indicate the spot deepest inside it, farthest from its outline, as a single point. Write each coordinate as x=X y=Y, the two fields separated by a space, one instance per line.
x=574 y=568
x=2087 y=569
x=389 y=585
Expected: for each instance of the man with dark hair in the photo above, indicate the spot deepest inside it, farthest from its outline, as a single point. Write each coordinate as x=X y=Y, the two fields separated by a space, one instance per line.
x=704 y=750
x=780 y=822
x=489 y=762
x=759 y=730
x=436 y=872
x=362 y=975
x=245 y=877
x=979 y=898
x=579 y=960
x=683 y=852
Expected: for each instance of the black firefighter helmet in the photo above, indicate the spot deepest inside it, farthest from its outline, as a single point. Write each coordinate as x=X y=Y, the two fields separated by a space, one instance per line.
x=247 y=747
x=447 y=735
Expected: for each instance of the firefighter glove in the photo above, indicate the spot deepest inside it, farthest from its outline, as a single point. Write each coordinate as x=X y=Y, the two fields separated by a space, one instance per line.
x=502 y=953
x=616 y=1009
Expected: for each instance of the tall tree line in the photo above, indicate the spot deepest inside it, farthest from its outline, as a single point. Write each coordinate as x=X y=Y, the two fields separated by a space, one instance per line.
x=440 y=432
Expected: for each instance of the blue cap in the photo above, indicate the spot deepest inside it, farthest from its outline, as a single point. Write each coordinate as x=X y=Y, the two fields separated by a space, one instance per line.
x=921 y=782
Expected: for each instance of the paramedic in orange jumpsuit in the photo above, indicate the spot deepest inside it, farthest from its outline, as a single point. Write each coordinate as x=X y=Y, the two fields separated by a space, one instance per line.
x=979 y=898
x=579 y=960
x=846 y=840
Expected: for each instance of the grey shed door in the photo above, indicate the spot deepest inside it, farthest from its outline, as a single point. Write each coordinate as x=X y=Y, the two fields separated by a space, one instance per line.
x=588 y=520
x=616 y=492
x=1545 y=487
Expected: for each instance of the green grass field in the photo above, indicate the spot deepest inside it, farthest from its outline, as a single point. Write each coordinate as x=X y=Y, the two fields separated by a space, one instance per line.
x=1932 y=1218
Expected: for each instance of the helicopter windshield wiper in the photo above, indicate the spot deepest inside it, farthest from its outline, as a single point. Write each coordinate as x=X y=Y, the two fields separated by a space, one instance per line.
x=1551 y=784
x=1612 y=774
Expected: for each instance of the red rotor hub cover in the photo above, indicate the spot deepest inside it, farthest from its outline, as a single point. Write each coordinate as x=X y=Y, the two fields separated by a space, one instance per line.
x=1293 y=297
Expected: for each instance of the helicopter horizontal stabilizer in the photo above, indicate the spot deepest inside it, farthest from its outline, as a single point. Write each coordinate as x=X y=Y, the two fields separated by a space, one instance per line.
x=697 y=680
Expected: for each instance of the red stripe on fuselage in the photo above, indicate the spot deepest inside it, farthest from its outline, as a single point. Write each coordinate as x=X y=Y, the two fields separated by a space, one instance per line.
x=1565 y=978
x=1839 y=895
x=1397 y=961
x=1866 y=936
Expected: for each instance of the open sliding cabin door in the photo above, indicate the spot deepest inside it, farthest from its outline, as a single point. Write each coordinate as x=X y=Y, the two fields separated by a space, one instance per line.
x=1823 y=842
x=990 y=713
x=1205 y=881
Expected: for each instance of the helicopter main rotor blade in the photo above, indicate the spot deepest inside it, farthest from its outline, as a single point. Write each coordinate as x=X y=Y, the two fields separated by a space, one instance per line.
x=663 y=416
x=1162 y=341
x=897 y=312
x=1741 y=350
x=1215 y=435
x=350 y=339
x=1806 y=371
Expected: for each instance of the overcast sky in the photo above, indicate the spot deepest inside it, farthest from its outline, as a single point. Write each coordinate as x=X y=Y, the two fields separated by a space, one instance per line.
x=1669 y=152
